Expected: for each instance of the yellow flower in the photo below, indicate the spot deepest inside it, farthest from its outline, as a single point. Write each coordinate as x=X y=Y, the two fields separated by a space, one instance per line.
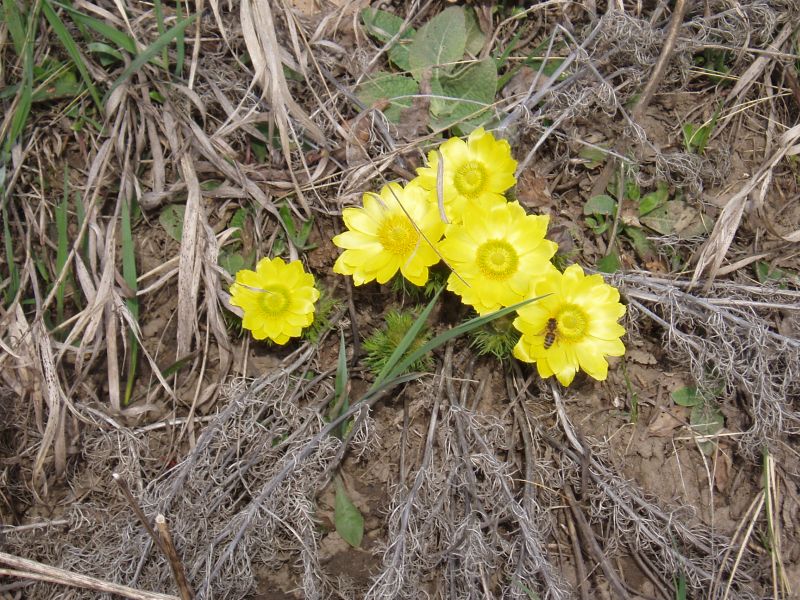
x=495 y=254
x=382 y=239
x=277 y=299
x=574 y=327
x=475 y=172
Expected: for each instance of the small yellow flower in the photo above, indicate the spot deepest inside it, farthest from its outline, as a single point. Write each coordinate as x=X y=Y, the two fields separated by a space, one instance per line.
x=393 y=231
x=496 y=254
x=573 y=327
x=475 y=172
x=277 y=299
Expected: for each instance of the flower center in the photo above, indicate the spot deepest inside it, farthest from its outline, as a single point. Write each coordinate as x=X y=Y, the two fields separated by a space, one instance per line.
x=275 y=300
x=497 y=260
x=470 y=178
x=397 y=235
x=572 y=322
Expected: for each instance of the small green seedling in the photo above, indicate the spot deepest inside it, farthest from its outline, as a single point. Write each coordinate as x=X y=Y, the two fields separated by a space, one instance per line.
x=440 y=54
x=298 y=235
x=348 y=519
x=695 y=137
x=705 y=417
x=383 y=342
x=496 y=338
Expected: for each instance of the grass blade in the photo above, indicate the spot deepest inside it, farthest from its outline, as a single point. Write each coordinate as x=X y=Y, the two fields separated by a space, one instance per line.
x=13 y=19
x=72 y=49
x=62 y=247
x=129 y=275
x=112 y=34
x=390 y=369
x=151 y=51
x=444 y=337
x=22 y=106
x=160 y=25
x=180 y=44
x=340 y=398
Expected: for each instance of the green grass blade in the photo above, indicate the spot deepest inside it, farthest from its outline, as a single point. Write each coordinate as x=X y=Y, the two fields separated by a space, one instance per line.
x=390 y=368
x=62 y=247
x=160 y=24
x=151 y=51
x=129 y=275
x=72 y=49
x=13 y=19
x=180 y=45
x=13 y=272
x=448 y=335
x=112 y=34
x=25 y=94
x=340 y=399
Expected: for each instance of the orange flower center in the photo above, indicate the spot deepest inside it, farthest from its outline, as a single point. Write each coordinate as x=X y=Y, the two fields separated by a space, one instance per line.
x=470 y=178
x=274 y=301
x=397 y=235
x=497 y=260
x=572 y=322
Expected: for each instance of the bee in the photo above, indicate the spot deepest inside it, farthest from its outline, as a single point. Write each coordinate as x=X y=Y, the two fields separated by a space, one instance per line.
x=550 y=332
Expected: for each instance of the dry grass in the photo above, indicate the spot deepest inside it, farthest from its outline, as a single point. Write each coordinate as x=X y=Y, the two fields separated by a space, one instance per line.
x=255 y=108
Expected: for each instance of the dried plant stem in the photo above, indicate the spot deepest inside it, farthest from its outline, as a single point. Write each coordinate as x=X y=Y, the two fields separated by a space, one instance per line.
x=589 y=540
x=661 y=66
x=175 y=563
x=30 y=569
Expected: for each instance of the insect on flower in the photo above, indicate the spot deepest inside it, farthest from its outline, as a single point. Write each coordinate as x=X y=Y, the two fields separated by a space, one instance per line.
x=550 y=332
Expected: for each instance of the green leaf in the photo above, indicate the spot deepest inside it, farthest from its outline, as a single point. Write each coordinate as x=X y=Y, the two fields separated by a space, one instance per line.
x=475 y=37
x=440 y=42
x=641 y=245
x=129 y=275
x=65 y=85
x=687 y=396
x=384 y=26
x=113 y=35
x=653 y=200
x=340 y=396
x=399 y=366
x=706 y=419
x=600 y=205
x=108 y=55
x=151 y=51
x=594 y=157
x=231 y=261
x=609 y=264
x=475 y=86
x=72 y=49
x=171 y=219
x=13 y=19
x=347 y=518
x=383 y=87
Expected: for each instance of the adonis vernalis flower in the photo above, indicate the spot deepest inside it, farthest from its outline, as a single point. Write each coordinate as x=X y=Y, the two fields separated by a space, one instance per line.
x=573 y=326
x=393 y=231
x=475 y=172
x=496 y=253
x=277 y=299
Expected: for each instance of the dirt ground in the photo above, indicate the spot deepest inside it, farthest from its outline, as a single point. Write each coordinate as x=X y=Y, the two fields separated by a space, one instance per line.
x=677 y=477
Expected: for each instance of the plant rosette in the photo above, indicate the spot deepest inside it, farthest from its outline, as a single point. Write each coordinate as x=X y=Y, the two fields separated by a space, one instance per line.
x=393 y=231
x=496 y=254
x=277 y=299
x=574 y=325
x=475 y=173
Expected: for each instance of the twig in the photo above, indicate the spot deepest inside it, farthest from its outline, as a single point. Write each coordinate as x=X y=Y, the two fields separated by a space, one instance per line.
x=178 y=570
x=661 y=65
x=30 y=569
x=580 y=567
x=588 y=537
